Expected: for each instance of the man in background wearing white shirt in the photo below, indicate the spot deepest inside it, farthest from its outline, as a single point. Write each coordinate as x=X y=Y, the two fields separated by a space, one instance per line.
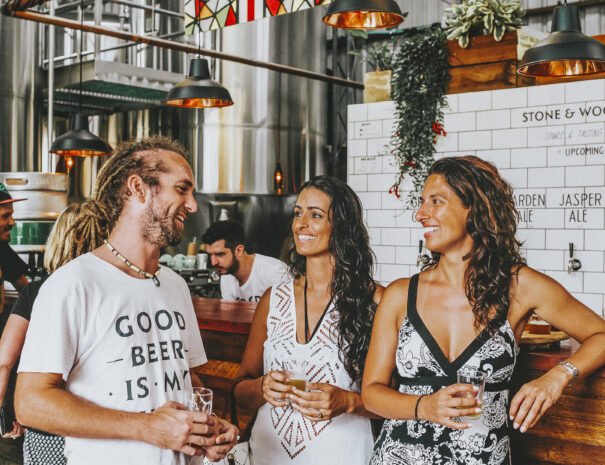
x=243 y=276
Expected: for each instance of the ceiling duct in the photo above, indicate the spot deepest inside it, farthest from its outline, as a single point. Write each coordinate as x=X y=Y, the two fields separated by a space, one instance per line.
x=110 y=87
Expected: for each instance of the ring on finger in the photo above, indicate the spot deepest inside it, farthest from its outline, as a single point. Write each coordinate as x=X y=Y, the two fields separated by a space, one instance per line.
x=319 y=414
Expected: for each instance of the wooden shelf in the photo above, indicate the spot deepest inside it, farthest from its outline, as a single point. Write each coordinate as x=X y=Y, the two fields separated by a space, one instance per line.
x=489 y=65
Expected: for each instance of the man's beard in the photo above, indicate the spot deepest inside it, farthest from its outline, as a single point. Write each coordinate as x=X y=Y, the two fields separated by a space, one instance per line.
x=234 y=267
x=161 y=229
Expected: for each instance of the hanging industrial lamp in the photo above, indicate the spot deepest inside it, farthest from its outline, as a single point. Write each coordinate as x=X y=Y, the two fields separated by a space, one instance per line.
x=198 y=90
x=363 y=14
x=79 y=141
x=566 y=51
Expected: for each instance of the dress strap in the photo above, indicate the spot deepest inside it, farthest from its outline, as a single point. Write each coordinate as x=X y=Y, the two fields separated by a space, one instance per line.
x=412 y=294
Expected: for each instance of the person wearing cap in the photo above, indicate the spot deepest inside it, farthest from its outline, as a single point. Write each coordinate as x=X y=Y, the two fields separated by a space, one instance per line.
x=12 y=268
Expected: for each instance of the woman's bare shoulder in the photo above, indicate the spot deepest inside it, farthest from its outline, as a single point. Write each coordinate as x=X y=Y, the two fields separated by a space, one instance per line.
x=399 y=286
x=393 y=305
x=524 y=279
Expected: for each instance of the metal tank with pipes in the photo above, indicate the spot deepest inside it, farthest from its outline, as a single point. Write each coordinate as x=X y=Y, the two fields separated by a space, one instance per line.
x=46 y=197
x=20 y=89
x=276 y=116
x=235 y=150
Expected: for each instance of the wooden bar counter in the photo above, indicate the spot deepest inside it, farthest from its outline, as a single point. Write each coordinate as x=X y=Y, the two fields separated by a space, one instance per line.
x=572 y=432
x=224 y=326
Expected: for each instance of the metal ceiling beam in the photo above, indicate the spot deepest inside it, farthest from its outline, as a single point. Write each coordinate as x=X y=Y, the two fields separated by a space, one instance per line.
x=550 y=9
x=178 y=46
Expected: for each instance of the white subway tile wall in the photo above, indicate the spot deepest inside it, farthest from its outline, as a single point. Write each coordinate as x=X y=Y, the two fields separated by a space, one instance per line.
x=547 y=141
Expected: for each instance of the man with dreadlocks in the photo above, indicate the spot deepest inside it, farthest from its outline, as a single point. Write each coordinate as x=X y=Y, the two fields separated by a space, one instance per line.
x=113 y=337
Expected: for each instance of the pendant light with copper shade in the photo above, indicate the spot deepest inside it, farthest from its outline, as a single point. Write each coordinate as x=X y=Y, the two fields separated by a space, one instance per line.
x=363 y=14
x=79 y=141
x=198 y=90
x=566 y=52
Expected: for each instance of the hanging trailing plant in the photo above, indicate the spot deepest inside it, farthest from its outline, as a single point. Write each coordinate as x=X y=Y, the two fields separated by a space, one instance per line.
x=418 y=87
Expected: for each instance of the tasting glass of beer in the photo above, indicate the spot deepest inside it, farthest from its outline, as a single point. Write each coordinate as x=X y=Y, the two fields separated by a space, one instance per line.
x=296 y=373
x=475 y=378
x=201 y=400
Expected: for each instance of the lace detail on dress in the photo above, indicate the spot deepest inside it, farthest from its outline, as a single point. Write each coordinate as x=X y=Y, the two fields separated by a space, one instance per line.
x=295 y=432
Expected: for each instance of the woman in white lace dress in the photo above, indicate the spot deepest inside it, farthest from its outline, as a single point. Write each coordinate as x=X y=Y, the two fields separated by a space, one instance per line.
x=323 y=317
x=467 y=309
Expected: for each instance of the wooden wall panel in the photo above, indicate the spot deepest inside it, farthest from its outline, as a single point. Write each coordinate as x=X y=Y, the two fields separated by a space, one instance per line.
x=487 y=76
x=483 y=49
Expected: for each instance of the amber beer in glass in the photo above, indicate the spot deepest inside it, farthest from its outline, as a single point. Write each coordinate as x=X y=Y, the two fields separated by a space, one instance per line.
x=475 y=378
x=296 y=373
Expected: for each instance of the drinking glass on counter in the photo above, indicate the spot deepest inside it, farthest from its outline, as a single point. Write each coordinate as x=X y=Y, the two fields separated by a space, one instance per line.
x=296 y=373
x=477 y=379
x=201 y=400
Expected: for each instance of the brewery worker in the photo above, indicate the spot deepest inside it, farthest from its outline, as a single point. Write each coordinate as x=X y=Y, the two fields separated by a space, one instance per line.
x=243 y=276
x=12 y=268
x=113 y=339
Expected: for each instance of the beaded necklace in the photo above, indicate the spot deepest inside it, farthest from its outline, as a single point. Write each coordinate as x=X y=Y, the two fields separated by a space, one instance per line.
x=153 y=277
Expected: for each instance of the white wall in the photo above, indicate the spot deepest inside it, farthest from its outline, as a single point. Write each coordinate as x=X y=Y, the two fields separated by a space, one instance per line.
x=547 y=141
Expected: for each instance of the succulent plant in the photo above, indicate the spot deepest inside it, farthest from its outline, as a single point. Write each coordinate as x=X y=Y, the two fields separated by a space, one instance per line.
x=472 y=16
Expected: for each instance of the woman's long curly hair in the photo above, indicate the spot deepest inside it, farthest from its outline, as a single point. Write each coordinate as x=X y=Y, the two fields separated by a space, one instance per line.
x=492 y=224
x=352 y=285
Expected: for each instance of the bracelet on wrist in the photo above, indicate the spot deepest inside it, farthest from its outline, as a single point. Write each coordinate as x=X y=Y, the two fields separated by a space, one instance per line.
x=416 y=408
x=262 y=380
x=571 y=369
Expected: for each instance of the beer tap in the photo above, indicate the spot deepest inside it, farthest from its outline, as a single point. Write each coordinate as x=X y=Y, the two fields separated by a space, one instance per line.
x=573 y=264
x=422 y=259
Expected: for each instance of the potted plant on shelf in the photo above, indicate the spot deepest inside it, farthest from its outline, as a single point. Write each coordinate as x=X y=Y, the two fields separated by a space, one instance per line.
x=378 y=55
x=479 y=17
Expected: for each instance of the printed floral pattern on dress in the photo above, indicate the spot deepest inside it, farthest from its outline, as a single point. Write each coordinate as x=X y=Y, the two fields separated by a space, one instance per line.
x=409 y=442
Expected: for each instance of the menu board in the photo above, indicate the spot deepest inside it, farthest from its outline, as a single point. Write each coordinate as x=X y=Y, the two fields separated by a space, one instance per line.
x=572 y=135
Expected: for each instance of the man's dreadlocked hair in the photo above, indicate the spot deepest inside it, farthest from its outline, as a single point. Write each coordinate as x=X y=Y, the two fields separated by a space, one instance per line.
x=128 y=158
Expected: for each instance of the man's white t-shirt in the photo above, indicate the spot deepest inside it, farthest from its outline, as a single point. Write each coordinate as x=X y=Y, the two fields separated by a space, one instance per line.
x=266 y=272
x=119 y=342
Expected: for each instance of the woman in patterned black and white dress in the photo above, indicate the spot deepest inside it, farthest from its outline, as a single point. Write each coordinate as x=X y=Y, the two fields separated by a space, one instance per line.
x=467 y=309
x=324 y=317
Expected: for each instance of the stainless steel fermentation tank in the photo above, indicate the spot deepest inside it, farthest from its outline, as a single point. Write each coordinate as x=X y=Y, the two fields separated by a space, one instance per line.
x=20 y=89
x=275 y=116
x=234 y=150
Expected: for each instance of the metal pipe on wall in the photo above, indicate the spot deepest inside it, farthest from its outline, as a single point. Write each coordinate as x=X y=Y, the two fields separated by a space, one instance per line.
x=47 y=161
x=162 y=43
